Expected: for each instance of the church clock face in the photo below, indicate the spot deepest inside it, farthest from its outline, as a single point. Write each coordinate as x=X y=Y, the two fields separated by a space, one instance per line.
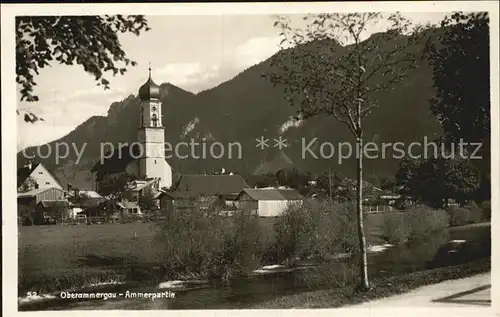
x=154 y=108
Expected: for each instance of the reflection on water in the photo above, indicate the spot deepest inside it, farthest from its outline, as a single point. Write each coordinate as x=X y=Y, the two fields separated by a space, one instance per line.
x=437 y=251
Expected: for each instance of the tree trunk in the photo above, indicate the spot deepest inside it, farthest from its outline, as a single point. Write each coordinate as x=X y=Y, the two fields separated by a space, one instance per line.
x=363 y=265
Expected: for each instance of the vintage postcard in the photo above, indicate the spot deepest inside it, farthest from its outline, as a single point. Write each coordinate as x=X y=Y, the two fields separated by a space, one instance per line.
x=251 y=158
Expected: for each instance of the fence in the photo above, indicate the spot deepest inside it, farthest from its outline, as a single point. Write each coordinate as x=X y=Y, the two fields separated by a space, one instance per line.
x=83 y=219
x=376 y=209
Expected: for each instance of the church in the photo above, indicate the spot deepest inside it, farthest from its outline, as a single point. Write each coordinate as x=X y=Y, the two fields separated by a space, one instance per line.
x=145 y=159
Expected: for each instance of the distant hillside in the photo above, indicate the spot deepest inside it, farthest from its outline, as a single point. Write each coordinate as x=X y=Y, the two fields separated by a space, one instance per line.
x=248 y=107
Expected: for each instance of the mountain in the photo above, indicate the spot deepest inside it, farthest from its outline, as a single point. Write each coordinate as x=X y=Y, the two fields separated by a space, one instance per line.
x=246 y=108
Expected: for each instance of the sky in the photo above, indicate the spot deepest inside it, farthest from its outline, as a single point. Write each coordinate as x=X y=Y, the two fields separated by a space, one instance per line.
x=194 y=53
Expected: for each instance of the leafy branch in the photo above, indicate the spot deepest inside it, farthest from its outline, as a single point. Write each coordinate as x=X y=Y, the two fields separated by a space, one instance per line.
x=90 y=41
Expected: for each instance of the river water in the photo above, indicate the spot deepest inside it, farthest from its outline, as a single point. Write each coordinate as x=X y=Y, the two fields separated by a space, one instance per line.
x=241 y=293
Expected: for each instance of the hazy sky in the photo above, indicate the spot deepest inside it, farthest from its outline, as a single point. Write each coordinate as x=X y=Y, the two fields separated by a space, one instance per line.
x=192 y=52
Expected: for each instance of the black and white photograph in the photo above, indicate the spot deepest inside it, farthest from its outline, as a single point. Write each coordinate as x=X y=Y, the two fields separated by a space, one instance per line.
x=258 y=158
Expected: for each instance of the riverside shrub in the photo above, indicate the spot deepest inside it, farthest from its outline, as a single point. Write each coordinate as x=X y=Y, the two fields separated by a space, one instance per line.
x=240 y=249
x=416 y=224
x=471 y=213
x=486 y=209
x=475 y=213
x=459 y=216
x=315 y=230
x=203 y=244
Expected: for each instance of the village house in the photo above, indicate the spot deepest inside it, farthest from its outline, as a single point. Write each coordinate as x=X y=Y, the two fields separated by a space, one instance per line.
x=35 y=176
x=39 y=195
x=137 y=189
x=50 y=211
x=268 y=202
x=81 y=201
x=130 y=203
x=219 y=191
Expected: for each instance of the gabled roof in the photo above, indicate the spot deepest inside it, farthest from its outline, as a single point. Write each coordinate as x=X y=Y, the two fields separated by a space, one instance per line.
x=176 y=195
x=90 y=194
x=86 y=193
x=52 y=203
x=24 y=172
x=139 y=185
x=36 y=191
x=272 y=194
x=210 y=185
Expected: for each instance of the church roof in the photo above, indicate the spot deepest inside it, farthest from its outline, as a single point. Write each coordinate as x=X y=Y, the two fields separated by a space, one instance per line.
x=149 y=90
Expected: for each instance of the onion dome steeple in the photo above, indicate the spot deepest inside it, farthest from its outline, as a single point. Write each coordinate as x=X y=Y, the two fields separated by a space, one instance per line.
x=149 y=90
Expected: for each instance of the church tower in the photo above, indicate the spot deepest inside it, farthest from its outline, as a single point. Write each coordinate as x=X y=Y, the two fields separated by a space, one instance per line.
x=151 y=136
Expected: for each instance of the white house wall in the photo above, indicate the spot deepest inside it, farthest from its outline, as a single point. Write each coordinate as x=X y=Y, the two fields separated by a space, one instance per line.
x=166 y=180
x=273 y=208
x=129 y=205
x=73 y=212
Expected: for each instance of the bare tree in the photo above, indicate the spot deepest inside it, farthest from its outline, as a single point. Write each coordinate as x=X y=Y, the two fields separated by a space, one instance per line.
x=332 y=66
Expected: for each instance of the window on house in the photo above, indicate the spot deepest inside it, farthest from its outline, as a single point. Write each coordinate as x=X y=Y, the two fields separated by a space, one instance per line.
x=41 y=173
x=47 y=183
x=155 y=161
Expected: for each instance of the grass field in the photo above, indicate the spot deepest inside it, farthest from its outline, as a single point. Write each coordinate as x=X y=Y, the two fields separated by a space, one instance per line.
x=57 y=257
